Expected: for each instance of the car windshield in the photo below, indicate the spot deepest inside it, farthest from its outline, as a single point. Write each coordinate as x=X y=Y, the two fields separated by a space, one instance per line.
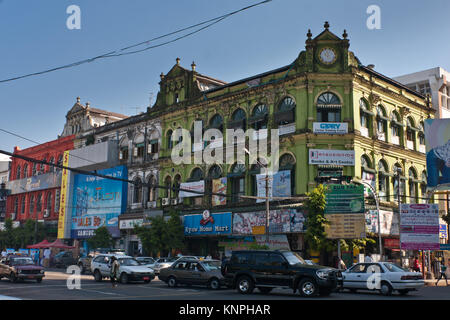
x=129 y=262
x=21 y=261
x=211 y=265
x=293 y=258
x=145 y=260
x=394 y=268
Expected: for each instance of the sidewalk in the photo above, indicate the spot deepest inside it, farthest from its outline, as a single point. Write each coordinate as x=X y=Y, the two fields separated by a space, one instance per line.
x=432 y=283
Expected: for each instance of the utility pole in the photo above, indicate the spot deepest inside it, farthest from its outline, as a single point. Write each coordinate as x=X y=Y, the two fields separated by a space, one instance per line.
x=267 y=206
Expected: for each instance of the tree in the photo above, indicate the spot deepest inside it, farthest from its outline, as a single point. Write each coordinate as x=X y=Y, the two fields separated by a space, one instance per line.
x=176 y=231
x=101 y=239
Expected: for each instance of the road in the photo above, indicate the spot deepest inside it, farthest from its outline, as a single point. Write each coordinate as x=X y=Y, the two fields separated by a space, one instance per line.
x=54 y=287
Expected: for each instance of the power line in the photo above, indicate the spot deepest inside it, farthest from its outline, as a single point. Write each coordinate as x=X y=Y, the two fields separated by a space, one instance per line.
x=121 y=52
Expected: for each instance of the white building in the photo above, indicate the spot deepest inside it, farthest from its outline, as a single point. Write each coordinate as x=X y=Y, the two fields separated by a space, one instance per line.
x=436 y=82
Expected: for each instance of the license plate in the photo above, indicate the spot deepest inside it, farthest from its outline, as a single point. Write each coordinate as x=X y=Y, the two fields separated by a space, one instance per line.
x=146 y=278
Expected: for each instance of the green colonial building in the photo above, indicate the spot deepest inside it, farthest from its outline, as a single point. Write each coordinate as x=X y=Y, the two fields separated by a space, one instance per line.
x=336 y=118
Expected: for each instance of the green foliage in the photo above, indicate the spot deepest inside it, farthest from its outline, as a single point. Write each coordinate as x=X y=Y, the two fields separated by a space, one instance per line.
x=21 y=236
x=161 y=236
x=256 y=246
x=101 y=239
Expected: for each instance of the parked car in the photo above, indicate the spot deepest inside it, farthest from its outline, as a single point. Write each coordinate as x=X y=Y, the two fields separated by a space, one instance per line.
x=382 y=276
x=22 y=267
x=164 y=262
x=266 y=270
x=146 y=261
x=130 y=269
x=64 y=259
x=193 y=271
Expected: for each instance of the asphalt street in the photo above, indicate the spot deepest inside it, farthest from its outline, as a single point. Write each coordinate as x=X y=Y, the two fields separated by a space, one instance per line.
x=54 y=287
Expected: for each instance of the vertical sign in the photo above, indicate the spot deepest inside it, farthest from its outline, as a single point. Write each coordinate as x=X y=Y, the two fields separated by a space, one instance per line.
x=219 y=186
x=62 y=206
x=419 y=228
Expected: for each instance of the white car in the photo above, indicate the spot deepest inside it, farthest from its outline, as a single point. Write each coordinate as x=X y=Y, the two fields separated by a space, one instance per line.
x=129 y=270
x=147 y=261
x=383 y=276
x=163 y=263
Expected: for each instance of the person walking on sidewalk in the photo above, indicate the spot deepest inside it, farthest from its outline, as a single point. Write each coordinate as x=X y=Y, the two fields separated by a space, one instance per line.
x=416 y=265
x=443 y=270
x=114 y=271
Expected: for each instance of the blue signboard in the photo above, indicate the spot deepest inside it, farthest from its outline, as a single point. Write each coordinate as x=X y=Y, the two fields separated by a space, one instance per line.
x=24 y=251
x=444 y=246
x=98 y=202
x=208 y=224
x=443 y=231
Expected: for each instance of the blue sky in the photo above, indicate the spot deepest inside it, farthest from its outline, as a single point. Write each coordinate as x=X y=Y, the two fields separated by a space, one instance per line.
x=413 y=37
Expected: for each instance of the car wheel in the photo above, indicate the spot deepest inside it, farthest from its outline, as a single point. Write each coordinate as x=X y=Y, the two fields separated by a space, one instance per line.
x=385 y=289
x=38 y=280
x=214 y=284
x=265 y=290
x=172 y=282
x=307 y=287
x=245 y=285
x=12 y=277
x=403 y=292
x=97 y=276
x=124 y=278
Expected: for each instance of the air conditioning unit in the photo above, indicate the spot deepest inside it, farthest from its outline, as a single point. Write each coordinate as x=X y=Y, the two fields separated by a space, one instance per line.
x=174 y=201
x=151 y=204
x=135 y=152
x=46 y=213
x=165 y=201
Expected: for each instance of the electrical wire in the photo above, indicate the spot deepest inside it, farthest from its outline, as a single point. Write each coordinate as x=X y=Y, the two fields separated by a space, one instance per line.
x=120 y=52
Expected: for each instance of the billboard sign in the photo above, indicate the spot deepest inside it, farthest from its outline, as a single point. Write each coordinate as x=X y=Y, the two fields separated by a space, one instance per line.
x=198 y=186
x=63 y=197
x=419 y=226
x=219 y=186
x=388 y=222
x=207 y=224
x=345 y=226
x=344 y=199
x=437 y=141
x=330 y=127
x=332 y=157
x=443 y=231
x=36 y=183
x=98 y=202
x=279 y=185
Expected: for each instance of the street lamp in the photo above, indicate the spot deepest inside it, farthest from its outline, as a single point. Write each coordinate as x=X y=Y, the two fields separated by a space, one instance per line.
x=377 y=202
x=267 y=195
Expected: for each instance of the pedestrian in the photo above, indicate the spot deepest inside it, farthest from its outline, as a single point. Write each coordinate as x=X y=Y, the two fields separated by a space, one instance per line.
x=114 y=271
x=4 y=254
x=47 y=254
x=443 y=269
x=341 y=264
x=368 y=258
x=416 y=265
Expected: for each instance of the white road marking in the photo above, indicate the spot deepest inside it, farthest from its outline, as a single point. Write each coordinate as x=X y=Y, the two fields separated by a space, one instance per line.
x=8 y=298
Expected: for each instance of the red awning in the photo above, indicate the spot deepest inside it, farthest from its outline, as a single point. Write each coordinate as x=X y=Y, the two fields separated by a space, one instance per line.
x=40 y=245
x=59 y=244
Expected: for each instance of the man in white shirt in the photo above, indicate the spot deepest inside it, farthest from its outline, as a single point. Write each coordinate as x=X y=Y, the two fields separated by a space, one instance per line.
x=368 y=259
x=4 y=254
x=47 y=254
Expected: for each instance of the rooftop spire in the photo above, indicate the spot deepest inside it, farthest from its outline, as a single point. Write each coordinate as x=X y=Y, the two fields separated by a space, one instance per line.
x=326 y=25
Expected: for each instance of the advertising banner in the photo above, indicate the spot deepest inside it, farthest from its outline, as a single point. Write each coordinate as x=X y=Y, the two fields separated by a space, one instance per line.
x=419 y=229
x=98 y=202
x=388 y=222
x=194 y=186
x=24 y=251
x=443 y=231
x=346 y=226
x=130 y=224
x=280 y=221
x=369 y=178
x=10 y=251
x=208 y=224
x=330 y=127
x=332 y=157
x=279 y=185
x=437 y=141
x=63 y=197
x=392 y=243
x=36 y=183
x=344 y=199
x=219 y=186
x=276 y=242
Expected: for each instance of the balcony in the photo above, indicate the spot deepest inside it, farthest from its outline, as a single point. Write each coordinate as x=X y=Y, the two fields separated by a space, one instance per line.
x=410 y=144
x=364 y=131
x=396 y=140
x=422 y=148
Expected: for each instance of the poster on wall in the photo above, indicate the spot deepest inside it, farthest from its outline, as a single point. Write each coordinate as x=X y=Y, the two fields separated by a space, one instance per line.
x=388 y=222
x=198 y=186
x=346 y=226
x=243 y=223
x=98 y=202
x=419 y=229
x=332 y=157
x=279 y=185
x=207 y=224
x=344 y=199
x=219 y=186
x=437 y=142
x=276 y=242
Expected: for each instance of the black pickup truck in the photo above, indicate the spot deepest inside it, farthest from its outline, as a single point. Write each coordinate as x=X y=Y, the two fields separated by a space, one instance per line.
x=265 y=270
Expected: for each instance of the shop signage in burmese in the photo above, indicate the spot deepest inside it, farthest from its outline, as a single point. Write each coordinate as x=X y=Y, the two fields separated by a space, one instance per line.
x=198 y=186
x=344 y=199
x=130 y=224
x=207 y=224
x=419 y=226
x=330 y=127
x=332 y=157
x=346 y=226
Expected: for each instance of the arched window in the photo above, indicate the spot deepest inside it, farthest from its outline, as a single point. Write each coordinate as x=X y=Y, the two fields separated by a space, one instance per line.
x=137 y=190
x=413 y=188
x=151 y=189
x=237 y=120
x=383 y=181
x=31 y=206
x=423 y=186
x=60 y=162
x=51 y=168
x=396 y=128
x=258 y=119
x=176 y=184
x=398 y=171
x=18 y=173
x=48 y=202
x=139 y=146
x=196 y=175
x=169 y=140
x=16 y=206
x=39 y=203
x=237 y=177
x=367 y=172
x=168 y=185
x=328 y=108
x=215 y=172
x=286 y=112
x=25 y=170
x=22 y=205
x=421 y=138
x=287 y=163
x=410 y=133
x=255 y=169
x=381 y=123
x=365 y=118
x=123 y=151
x=216 y=122
x=42 y=167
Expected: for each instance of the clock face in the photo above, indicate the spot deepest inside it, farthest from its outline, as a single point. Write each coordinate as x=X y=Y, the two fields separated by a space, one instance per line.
x=327 y=56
